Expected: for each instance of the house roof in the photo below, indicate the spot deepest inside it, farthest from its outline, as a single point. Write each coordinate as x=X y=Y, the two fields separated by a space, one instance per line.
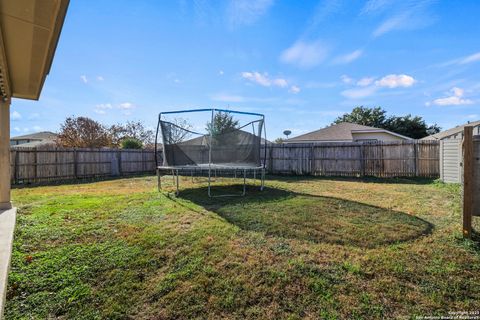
x=340 y=132
x=29 y=33
x=452 y=131
x=44 y=135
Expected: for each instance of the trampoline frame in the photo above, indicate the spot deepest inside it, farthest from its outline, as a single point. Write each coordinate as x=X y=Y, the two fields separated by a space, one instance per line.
x=175 y=170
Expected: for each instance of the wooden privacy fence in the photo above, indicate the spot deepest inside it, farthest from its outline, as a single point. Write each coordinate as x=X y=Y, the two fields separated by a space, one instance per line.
x=48 y=164
x=381 y=159
x=471 y=179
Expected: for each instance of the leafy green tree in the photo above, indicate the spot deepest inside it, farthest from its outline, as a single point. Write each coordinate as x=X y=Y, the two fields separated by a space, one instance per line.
x=222 y=122
x=410 y=126
x=131 y=143
x=373 y=117
x=279 y=140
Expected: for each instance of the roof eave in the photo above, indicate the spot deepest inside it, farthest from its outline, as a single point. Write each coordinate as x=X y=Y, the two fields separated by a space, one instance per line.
x=61 y=13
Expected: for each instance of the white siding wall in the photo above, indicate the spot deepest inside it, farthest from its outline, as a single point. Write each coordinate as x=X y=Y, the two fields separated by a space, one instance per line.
x=451 y=159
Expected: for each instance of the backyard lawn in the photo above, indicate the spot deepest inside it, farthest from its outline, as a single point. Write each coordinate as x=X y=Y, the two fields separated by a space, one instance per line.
x=303 y=248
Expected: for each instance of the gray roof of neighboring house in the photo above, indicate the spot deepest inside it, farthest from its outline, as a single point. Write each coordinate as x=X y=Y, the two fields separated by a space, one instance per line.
x=339 y=132
x=44 y=135
x=37 y=139
x=446 y=133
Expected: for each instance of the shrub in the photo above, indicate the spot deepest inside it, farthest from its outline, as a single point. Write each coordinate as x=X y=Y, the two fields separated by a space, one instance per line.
x=131 y=143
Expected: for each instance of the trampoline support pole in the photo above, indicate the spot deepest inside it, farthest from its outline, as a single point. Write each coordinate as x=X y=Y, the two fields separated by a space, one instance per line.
x=177 y=192
x=262 y=184
x=244 y=182
x=159 y=180
x=209 y=174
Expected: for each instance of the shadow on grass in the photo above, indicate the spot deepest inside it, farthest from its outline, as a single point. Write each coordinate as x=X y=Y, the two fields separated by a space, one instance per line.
x=80 y=180
x=365 y=179
x=309 y=217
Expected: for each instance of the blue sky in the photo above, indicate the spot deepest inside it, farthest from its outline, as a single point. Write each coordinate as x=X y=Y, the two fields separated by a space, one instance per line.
x=302 y=63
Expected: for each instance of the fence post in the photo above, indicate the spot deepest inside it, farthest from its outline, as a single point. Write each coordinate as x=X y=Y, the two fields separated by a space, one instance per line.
x=415 y=158
x=75 y=163
x=15 y=167
x=56 y=161
x=467 y=181
x=35 y=151
x=119 y=157
x=312 y=159
x=362 y=159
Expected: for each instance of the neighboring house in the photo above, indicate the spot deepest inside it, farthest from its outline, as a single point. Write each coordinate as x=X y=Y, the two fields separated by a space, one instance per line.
x=455 y=133
x=451 y=151
x=348 y=132
x=34 y=139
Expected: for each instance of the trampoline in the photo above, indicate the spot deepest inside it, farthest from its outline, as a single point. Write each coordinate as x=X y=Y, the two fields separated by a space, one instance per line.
x=229 y=143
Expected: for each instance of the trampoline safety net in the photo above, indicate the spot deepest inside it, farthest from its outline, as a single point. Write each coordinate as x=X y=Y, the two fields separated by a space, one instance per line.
x=224 y=142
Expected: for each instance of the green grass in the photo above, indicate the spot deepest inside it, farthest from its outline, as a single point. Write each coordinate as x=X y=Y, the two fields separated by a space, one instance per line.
x=303 y=248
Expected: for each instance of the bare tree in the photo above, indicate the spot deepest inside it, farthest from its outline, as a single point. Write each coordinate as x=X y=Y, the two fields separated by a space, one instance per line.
x=177 y=131
x=131 y=130
x=83 y=132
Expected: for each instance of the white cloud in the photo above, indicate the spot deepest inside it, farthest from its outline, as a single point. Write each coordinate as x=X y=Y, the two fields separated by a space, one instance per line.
x=102 y=108
x=304 y=54
x=455 y=99
x=396 y=80
x=15 y=115
x=368 y=86
x=33 y=116
x=17 y=129
x=471 y=58
x=349 y=57
x=294 y=89
x=346 y=79
x=221 y=73
x=264 y=79
x=358 y=93
x=37 y=128
x=126 y=106
x=374 y=6
x=324 y=9
x=245 y=12
x=403 y=15
x=365 y=81
x=473 y=116
x=256 y=77
x=390 y=24
x=100 y=78
x=461 y=61
x=279 y=82
x=225 y=97
x=84 y=78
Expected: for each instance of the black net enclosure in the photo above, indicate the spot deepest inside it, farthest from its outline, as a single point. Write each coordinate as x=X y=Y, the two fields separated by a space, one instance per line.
x=209 y=140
